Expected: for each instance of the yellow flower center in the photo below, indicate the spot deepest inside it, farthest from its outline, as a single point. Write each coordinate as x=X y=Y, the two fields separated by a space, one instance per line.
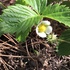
x=42 y=28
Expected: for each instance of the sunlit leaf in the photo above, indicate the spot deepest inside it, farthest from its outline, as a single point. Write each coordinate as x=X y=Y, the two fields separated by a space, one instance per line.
x=17 y=19
x=37 y=5
x=59 y=13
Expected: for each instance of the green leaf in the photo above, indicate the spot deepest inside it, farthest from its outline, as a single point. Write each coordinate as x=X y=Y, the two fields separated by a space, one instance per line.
x=1 y=32
x=17 y=19
x=67 y=3
x=22 y=35
x=59 y=13
x=20 y=2
x=37 y=5
x=64 y=43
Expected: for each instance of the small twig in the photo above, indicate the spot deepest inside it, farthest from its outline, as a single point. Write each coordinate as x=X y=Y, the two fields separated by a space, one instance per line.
x=39 y=42
x=10 y=38
x=36 y=64
x=2 y=61
x=5 y=43
x=65 y=67
x=32 y=44
x=7 y=64
x=14 y=56
x=27 y=49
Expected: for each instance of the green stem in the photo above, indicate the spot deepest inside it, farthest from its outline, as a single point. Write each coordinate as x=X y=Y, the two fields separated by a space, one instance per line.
x=61 y=40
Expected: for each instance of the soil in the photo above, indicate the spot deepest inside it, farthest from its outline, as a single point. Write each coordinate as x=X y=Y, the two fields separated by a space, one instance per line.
x=33 y=54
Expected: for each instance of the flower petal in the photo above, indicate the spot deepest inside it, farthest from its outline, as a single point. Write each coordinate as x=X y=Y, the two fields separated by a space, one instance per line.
x=41 y=34
x=49 y=30
x=46 y=22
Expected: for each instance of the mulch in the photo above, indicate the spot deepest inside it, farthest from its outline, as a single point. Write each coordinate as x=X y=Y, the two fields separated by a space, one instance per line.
x=33 y=54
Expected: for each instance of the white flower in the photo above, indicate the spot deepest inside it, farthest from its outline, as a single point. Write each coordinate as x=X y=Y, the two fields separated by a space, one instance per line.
x=43 y=28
